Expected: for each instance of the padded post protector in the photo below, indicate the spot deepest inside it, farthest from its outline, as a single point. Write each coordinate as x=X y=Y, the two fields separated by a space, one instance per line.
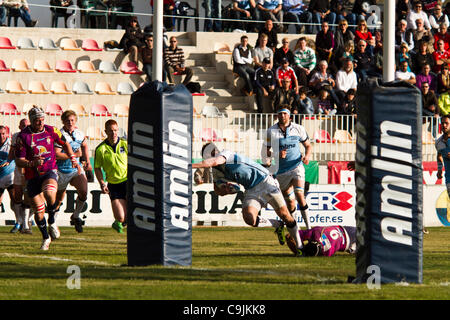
x=159 y=189
x=388 y=182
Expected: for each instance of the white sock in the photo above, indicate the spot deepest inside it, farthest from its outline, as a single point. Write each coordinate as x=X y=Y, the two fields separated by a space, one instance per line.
x=26 y=217
x=78 y=207
x=269 y=222
x=293 y=231
x=17 y=208
x=305 y=216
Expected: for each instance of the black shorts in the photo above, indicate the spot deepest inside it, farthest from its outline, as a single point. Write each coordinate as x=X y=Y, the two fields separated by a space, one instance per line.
x=117 y=190
x=34 y=186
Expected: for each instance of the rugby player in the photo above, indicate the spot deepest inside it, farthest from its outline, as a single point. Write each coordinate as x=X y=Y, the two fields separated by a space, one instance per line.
x=36 y=153
x=442 y=145
x=66 y=173
x=285 y=138
x=260 y=188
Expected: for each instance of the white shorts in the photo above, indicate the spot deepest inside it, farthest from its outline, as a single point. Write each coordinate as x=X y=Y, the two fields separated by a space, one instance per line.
x=7 y=181
x=285 y=179
x=65 y=178
x=267 y=191
x=19 y=178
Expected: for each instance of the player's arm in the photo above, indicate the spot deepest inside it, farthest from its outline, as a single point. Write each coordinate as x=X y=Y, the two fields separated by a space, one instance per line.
x=440 y=165
x=85 y=154
x=308 y=149
x=209 y=163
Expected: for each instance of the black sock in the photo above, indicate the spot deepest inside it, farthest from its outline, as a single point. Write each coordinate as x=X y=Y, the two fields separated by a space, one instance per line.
x=51 y=213
x=42 y=225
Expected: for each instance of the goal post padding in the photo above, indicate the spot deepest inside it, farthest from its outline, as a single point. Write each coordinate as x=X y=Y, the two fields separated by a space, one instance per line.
x=159 y=188
x=388 y=179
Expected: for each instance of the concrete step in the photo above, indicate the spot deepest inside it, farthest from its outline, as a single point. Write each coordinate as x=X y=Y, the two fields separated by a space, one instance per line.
x=208 y=77
x=215 y=92
x=225 y=99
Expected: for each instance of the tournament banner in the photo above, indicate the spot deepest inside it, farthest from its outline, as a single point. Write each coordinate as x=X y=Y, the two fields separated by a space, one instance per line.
x=340 y=173
x=388 y=179
x=159 y=186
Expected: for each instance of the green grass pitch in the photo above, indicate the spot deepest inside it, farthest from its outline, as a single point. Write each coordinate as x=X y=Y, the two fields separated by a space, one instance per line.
x=228 y=263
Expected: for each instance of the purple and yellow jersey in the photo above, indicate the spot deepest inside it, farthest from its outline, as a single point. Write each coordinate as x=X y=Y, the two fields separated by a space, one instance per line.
x=32 y=145
x=332 y=238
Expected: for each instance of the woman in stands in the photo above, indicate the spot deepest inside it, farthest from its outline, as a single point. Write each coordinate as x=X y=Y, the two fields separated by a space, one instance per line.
x=66 y=173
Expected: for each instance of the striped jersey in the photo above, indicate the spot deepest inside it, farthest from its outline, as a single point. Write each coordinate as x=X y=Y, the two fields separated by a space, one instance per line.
x=305 y=59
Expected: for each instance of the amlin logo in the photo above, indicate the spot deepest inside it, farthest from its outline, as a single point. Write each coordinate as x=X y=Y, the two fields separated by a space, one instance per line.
x=329 y=201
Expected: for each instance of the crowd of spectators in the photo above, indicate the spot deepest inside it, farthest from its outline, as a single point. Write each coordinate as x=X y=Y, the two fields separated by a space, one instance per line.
x=320 y=75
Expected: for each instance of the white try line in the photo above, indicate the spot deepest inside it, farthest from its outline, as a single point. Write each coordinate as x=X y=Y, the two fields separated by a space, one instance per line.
x=45 y=257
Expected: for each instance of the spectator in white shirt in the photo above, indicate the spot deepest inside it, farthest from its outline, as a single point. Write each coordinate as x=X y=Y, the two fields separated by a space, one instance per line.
x=404 y=74
x=437 y=17
x=242 y=65
x=417 y=13
x=345 y=80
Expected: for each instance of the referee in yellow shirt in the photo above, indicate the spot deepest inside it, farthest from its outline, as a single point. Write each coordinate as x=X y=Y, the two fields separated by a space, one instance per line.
x=111 y=156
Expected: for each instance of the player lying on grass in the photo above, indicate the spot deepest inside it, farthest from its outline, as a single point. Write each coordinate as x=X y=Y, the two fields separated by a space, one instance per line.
x=325 y=241
x=260 y=188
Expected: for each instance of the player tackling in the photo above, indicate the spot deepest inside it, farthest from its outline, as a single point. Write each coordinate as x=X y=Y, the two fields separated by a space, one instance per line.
x=260 y=188
x=284 y=139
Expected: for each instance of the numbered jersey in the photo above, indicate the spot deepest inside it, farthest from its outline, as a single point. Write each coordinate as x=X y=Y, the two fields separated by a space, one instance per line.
x=32 y=145
x=443 y=147
x=332 y=238
x=289 y=141
x=76 y=139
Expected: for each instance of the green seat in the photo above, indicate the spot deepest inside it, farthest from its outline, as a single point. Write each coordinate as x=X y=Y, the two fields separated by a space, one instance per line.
x=91 y=7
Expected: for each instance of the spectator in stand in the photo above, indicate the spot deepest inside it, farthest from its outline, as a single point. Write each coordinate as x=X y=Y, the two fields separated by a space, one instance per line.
x=242 y=65
x=262 y=51
x=285 y=95
x=283 y=71
x=429 y=101
x=402 y=35
x=322 y=79
x=341 y=36
x=440 y=56
x=271 y=33
x=60 y=11
x=23 y=9
x=325 y=105
x=363 y=61
x=133 y=40
x=417 y=13
x=271 y=10
x=305 y=62
x=443 y=80
x=421 y=34
x=318 y=11
x=174 y=62
x=405 y=75
x=305 y=105
x=378 y=36
x=346 y=79
x=169 y=10
x=437 y=17
x=340 y=8
x=422 y=57
x=349 y=50
x=403 y=55
x=324 y=43
x=147 y=56
x=2 y=14
x=425 y=76
x=443 y=35
x=264 y=83
x=213 y=9
x=283 y=52
x=402 y=9
x=362 y=33
x=349 y=108
x=295 y=11
x=244 y=10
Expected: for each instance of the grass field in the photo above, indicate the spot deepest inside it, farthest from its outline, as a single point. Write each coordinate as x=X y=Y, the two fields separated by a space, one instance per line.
x=228 y=263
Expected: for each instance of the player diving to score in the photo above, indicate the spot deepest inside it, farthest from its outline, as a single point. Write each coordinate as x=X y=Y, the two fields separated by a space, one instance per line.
x=260 y=188
x=283 y=141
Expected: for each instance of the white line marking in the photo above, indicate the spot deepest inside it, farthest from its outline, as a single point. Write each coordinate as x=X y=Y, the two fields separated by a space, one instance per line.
x=99 y=263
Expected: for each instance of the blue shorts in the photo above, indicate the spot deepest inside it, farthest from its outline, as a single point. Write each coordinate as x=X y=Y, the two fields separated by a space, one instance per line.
x=117 y=190
x=34 y=186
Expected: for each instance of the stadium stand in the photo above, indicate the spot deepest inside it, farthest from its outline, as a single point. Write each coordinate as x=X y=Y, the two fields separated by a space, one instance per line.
x=80 y=87
x=37 y=87
x=42 y=66
x=108 y=67
x=59 y=87
x=86 y=67
x=26 y=44
x=90 y=45
x=69 y=44
x=7 y=108
x=100 y=110
x=47 y=44
x=53 y=109
x=14 y=86
x=104 y=88
x=20 y=65
x=79 y=109
x=125 y=88
x=64 y=66
x=3 y=67
x=5 y=43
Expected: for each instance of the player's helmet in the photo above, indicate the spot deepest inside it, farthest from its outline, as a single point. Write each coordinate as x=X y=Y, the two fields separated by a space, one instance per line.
x=312 y=249
x=209 y=150
x=35 y=113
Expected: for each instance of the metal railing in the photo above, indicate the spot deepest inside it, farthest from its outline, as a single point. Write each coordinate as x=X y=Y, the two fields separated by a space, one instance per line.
x=333 y=137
